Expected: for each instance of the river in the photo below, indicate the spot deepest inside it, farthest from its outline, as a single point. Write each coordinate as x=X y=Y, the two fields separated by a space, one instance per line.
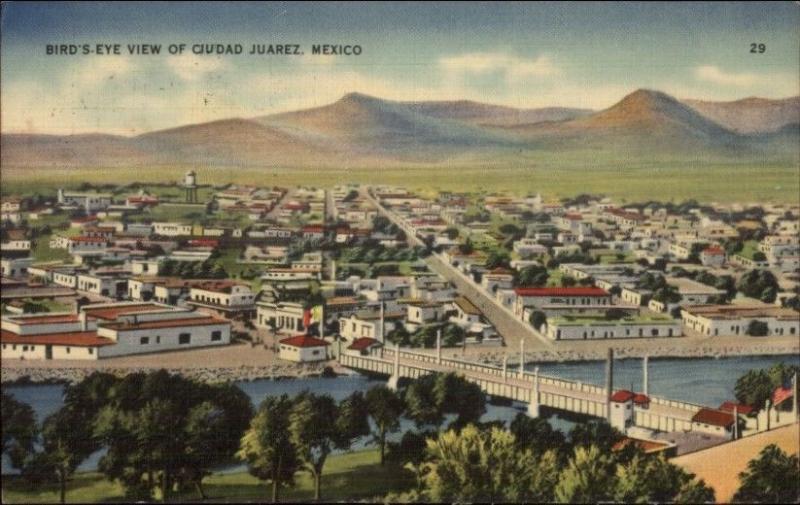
x=706 y=381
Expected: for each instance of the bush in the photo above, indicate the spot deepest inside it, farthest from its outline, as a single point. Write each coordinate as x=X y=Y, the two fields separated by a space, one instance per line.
x=757 y=329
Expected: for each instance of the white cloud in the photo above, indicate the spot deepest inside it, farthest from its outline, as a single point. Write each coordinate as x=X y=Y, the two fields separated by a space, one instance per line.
x=715 y=75
x=190 y=67
x=510 y=66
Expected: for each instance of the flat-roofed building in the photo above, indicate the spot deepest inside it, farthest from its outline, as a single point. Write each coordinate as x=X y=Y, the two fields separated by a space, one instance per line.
x=714 y=320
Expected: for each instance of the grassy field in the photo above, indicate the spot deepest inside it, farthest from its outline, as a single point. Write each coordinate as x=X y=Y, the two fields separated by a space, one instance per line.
x=711 y=182
x=351 y=476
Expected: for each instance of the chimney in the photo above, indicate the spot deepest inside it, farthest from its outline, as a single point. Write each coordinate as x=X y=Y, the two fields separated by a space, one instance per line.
x=609 y=381
x=82 y=319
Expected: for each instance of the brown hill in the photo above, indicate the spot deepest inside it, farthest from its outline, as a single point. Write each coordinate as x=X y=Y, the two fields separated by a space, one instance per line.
x=750 y=115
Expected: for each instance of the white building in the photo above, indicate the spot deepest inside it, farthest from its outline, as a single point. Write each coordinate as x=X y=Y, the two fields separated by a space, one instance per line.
x=172 y=229
x=591 y=327
x=303 y=349
x=714 y=320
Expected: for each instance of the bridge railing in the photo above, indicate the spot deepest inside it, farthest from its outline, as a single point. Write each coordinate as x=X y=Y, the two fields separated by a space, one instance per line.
x=527 y=376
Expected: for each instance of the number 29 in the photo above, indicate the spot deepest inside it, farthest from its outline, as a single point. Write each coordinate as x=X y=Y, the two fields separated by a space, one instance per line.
x=757 y=48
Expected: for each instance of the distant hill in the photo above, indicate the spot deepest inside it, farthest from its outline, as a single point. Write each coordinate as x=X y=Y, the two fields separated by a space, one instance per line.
x=365 y=130
x=750 y=115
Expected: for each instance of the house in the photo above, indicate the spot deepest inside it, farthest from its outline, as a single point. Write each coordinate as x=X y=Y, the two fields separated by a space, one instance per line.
x=466 y=311
x=111 y=329
x=691 y=292
x=280 y=315
x=15 y=267
x=90 y=202
x=714 y=320
x=303 y=349
x=423 y=312
x=172 y=229
x=580 y=327
x=368 y=324
x=364 y=346
x=223 y=297
x=712 y=256
x=713 y=422
x=544 y=298
x=499 y=278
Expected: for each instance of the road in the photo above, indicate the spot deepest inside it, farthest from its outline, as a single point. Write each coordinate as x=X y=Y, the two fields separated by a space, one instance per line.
x=508 y=326
x=272 y=213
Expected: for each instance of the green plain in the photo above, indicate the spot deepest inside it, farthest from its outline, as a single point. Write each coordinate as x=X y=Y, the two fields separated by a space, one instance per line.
x=346 y=477
x=554 y=178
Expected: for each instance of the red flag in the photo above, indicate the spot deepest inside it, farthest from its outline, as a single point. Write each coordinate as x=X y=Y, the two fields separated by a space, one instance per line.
x=780 y=394
x=306 y=318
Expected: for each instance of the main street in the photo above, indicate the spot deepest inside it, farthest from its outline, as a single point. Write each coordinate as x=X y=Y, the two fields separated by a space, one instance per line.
x=508 y=326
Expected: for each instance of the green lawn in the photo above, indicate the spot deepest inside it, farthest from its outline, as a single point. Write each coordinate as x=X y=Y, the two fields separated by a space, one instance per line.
x=553 y=176
x=350 y=476
x=749 y=248
x=43 y=252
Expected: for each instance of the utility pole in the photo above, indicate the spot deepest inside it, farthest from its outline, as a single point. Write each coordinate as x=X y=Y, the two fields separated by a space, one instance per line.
x=609 y=381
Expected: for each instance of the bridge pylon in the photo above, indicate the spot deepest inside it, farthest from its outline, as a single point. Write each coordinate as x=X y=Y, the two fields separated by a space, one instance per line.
x=533 y=406
x=394 y=379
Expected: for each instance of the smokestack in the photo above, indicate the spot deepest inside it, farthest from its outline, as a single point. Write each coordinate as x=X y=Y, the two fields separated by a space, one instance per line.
x=609 y=381
x=439 y=346
x=645 y=378
x=380 y=334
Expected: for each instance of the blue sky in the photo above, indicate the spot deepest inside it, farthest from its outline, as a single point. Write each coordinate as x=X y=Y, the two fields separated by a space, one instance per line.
x=524 y=55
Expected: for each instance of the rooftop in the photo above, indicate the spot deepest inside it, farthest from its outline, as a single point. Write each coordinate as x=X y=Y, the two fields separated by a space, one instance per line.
x=304 y=341
x=713 y=417
x=568 y=291
x=77 y=339
x=167 y=323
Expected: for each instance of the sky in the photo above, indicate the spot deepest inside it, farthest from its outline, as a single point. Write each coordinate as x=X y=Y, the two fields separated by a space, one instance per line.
x=525 y=55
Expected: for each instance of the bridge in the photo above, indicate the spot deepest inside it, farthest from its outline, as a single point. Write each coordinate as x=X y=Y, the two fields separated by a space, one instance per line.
x=533 y=388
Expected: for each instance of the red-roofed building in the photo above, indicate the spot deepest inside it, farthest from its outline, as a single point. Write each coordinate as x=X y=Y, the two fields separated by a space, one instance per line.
x=541 y=298
x=713 y=422
x=364 y=346
x=712 y=256
x=303 y=349
x=622 y=409
x=69 y=345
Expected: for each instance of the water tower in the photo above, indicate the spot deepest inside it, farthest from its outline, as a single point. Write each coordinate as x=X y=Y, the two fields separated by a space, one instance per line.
x=190 y=186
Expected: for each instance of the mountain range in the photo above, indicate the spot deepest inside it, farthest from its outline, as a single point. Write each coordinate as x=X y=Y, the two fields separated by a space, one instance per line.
x=363 y=130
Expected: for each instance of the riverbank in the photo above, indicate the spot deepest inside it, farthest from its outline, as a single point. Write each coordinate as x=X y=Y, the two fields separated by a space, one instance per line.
x=72 y=375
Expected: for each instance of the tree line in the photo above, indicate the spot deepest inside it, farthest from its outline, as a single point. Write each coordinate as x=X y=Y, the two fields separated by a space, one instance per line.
x=163 y=434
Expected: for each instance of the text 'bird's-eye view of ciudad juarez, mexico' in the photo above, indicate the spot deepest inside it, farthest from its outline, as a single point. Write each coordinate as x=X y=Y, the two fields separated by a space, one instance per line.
x=539 y=253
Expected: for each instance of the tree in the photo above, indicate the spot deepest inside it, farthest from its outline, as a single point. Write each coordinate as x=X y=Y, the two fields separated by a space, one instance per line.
x=588 y=478
x=385 y=408
x=66 y=443
x=536 y=433
x=317 y=425
x=760 y=284
x=472 y=465
x=652 y=479
x=19 y=429
x=538 y=318
x=595 y=433
x=755 y=387
x=772 y=477
x=267 y=447
x=496 y=259
x=452 y=233
x=161 y=430
x=757 y=328
x=432 y=396
x=534 y=275
x=466 y=247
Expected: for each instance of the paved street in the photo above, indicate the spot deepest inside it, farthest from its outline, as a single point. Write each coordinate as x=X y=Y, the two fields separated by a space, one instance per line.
x=509 y=327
